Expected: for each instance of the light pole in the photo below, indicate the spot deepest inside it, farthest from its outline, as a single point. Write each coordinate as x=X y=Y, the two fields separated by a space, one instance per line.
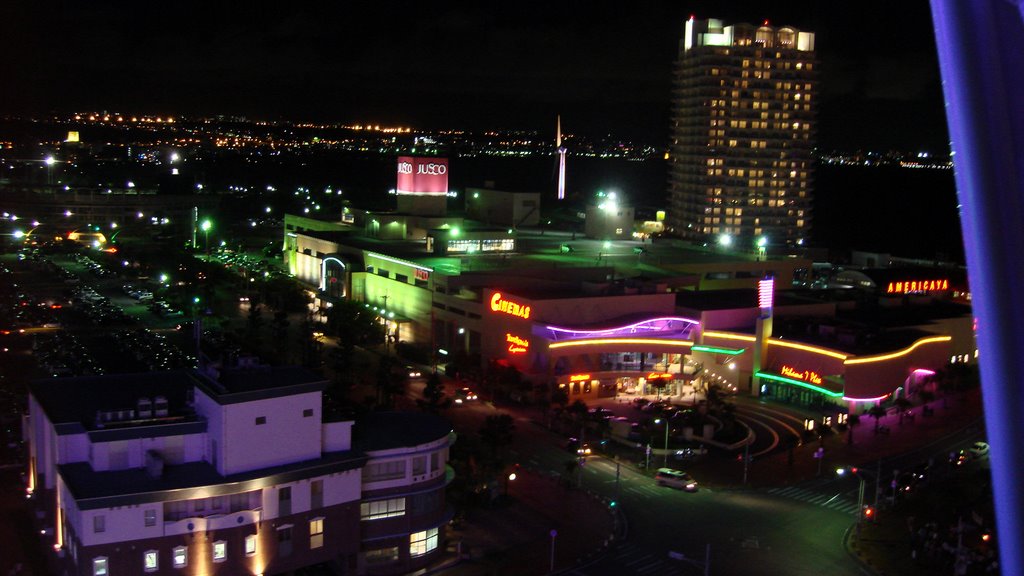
x=205 y=226
x=49 y=161
x=554 y=533
x=658 y=421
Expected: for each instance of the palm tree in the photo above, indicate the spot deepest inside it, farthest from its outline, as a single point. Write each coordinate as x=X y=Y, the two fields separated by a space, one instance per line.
x=497 y=432
x=852 y=421
x=434 y=399
x=902 y=404
x=877 y=412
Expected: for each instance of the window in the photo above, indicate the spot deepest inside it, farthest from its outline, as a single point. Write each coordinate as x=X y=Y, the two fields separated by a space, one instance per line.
x=419 y=465
x=384 y=471
x=220 y=551
x=284 y=501
x=99 y=523
x=382 y=509
x=250 y=545
x=99 y=566
x=151 y=560
x=261 y=420
x=316 y=533
x=179 y=557
x=150 y=517
x=382 y=555
x=307 y=413
x=316 y=494
x=284 y=541
x=421 y=543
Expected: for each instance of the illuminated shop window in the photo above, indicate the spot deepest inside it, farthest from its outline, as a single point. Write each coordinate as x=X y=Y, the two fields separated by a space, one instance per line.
x=99 y=566
x=220 y=551
x=151 y=560
x=421 y=543
x=179 y=557
x=250 y=545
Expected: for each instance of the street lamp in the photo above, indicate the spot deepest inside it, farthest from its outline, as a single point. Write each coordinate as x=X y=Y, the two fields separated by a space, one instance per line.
x=49 y=161
x=205 y=226
x=658 y=421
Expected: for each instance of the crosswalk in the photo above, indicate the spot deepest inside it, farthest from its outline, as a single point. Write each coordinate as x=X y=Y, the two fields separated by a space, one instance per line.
x=807 y=493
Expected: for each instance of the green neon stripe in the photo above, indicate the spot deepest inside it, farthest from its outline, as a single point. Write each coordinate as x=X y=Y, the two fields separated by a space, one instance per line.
x=785 y=380
x=717 y=350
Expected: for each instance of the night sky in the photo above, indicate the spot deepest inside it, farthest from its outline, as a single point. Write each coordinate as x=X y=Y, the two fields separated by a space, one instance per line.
x=606 y=67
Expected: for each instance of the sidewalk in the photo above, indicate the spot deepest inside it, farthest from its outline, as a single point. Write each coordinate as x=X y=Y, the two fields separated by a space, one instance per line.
x=513 y=537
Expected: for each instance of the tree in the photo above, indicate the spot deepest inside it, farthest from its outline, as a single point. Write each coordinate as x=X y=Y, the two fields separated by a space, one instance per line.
x=389 y=382
x=559 y=397
x=852 y=421
x=876 y=411
x=497 y=432
x=902 y=404
x=279 y=328
x=355 y=325
x=434 y=399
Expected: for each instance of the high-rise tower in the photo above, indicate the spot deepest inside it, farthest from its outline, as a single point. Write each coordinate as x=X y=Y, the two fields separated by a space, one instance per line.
x=743 y=128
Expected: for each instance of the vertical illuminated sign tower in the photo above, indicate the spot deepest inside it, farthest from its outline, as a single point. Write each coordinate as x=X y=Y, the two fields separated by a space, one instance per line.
x=765 y=302
x=742 y=130
x=561 y=159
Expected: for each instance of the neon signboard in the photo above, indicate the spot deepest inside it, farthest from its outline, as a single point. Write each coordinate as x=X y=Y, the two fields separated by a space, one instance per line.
x=422 y=274
x=516 y=345
x=579 y=377
x=765 y=293
x=422 y=176
x=908 y=286
x=659 y=376
x=498 y=304
x=805 y=375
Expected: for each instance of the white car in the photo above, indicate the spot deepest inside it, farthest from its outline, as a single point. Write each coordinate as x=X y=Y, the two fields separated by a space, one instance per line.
x=675 y=479
x=978 y=450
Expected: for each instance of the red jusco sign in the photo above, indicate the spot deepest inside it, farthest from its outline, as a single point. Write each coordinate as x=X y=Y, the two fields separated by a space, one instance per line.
x=422 y=176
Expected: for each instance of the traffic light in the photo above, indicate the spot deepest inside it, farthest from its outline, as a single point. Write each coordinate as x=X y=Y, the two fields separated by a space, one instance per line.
x=869 y=513
x=613 y=504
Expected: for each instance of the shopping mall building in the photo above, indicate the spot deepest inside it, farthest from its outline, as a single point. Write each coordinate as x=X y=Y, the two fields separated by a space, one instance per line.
x=628 y=316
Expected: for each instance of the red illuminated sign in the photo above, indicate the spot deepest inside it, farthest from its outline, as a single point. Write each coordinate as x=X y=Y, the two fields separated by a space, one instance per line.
x=659 y=375
x=579 y=377
x=516 y=345
x=422 y=176
x=917 y=286
x=806 y=375
x=422 y=274
x=509 y=307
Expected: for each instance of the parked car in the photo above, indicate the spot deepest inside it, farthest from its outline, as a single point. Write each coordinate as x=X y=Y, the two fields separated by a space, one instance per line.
x=675 y=479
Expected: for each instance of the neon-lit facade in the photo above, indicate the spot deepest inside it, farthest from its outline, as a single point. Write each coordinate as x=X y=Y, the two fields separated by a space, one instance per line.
x=619 y=339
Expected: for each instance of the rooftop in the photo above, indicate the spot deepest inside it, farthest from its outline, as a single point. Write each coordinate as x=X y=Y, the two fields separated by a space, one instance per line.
x=105 y=489
x=389 y=430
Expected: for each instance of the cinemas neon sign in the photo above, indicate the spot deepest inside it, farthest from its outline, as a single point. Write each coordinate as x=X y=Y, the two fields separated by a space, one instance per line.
x=806 y=375
x=509 y=307
x=516 y=345
x=917 y=286
x=579 y=377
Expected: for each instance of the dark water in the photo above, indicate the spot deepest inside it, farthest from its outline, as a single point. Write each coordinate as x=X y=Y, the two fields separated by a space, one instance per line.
x=904 y=212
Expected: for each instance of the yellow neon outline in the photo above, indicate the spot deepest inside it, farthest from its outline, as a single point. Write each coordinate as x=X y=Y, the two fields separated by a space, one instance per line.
x=903 y=352
x=730 y=336
x=601 y=341
x=806 y=348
